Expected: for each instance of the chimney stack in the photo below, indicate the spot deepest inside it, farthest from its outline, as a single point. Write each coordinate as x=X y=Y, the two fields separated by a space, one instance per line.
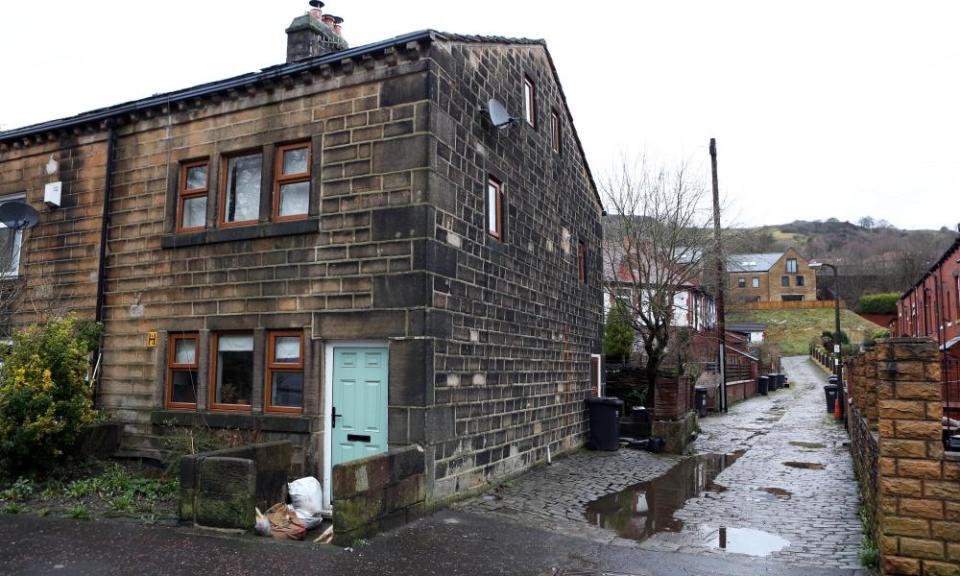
x=310 y=35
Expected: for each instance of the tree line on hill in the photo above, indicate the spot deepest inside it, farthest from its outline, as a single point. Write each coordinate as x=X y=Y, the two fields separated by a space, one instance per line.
x=871 y=256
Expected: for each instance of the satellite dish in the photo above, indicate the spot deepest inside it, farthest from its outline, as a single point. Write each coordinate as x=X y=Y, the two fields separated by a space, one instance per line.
x=18 y=216
x=498 y=114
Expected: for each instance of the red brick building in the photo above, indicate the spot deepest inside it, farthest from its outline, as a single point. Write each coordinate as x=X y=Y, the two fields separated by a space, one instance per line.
x=931 y=308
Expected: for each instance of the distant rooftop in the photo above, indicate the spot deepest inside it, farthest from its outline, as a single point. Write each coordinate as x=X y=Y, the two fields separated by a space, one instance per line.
x=752 y=262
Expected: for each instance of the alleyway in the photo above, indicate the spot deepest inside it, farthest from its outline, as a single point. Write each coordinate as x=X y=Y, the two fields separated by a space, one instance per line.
x=557 y=520
x=786 y=483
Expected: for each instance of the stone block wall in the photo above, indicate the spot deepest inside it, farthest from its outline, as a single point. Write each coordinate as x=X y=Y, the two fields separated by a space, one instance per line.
x=60 y=258
x=220 y=489
x=917 y=484
x=377 y=493
x=511 y=378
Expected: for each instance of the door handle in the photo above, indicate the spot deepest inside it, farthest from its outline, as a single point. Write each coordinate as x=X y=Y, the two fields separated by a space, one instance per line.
x=333 y=417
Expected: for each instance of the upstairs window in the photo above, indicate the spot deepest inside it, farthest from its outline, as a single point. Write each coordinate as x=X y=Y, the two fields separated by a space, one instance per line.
x=800 y=280
x=555 y=130
x=182 y=370
x=529 y=102
x=785 y=281
x=284 y=372
x=291 y=187
x=192 y=198
x=495 y=209
x=755 y=282
x=240 y=198
x=10 y=243
x=741 y=282
x=791 y=265
x=232 y=386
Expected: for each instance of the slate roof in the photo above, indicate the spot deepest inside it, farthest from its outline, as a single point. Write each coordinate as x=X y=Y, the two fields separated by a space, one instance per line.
x=280 y=72
x=752 y=262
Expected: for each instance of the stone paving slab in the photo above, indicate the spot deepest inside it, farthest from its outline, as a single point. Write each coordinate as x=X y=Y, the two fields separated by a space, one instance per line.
x=814 y=508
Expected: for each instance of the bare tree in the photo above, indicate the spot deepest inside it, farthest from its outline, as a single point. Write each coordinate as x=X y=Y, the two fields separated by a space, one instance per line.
x=656 y=239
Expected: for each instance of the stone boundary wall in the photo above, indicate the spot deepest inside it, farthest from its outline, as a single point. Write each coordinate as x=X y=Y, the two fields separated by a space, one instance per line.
x=377 y=493
x=220 y=489
x=895 y=397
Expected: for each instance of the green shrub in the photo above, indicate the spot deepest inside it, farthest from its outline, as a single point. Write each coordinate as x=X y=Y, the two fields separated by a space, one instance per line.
x=885 y=303
x=45 y=399
x=618 y=335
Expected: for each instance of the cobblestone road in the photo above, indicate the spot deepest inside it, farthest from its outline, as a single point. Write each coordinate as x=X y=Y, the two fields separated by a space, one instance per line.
x=812 y=503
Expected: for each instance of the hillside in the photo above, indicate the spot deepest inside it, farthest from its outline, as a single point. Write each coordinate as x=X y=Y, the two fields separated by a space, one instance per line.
x=792 y=330
x=871 y=257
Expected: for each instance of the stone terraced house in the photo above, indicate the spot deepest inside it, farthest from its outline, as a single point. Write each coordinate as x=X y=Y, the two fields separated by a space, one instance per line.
x=341 y=250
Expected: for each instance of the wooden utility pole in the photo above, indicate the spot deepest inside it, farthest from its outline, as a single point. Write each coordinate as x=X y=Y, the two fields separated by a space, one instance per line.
x=718 y=249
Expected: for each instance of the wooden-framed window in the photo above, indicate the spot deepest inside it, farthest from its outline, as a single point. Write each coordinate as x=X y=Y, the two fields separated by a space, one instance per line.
x=192 y=196
x=182 y=370
x=291 y=183
x=240 y=189
x=529 y=102
x=800 y=281
x=785 y=281
x=755 y=282
x=582 y=261
x=231 y=371
x=791 y=265
x=284 y=389
x=495 y=208
x=741 y=282
x=555 y=130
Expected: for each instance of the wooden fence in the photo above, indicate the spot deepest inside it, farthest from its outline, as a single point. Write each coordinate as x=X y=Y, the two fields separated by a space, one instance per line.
x=780 y=305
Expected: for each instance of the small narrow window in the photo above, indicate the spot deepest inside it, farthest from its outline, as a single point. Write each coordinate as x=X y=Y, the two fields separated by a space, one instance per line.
x=495 y=209
x=232 y=370
x=240 y=200
x=529 y=102
x=285 y=372
x=555 y=130
x=785 y=281
x=582 y=261
x=755 y=282
x=291 y=187
x=182 y=371
x=596 y=375
x=741 y=282
x=800 y=280
x=192 y=199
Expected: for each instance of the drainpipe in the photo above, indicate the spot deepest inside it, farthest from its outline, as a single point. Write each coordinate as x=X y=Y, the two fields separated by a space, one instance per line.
x=104 y=226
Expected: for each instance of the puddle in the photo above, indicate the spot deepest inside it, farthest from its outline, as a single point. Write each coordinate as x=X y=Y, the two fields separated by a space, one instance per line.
x=778 y=492
x=641 y=510
x=805 y=465
x=749 y=541
x=810 y=445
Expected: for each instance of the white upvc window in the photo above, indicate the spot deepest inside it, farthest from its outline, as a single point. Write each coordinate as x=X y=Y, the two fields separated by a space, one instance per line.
x=10 y=243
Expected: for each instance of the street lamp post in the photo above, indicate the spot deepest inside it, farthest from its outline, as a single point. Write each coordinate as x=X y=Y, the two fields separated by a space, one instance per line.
x=836 y=310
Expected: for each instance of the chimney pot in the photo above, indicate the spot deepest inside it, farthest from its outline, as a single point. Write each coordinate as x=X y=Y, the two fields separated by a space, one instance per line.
x=308 y=37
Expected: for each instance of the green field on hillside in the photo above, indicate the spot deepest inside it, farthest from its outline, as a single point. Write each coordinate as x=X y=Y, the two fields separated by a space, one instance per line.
x=792 y=330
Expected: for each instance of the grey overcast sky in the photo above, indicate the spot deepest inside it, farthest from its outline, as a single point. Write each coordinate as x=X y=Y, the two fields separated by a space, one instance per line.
x=820 y=109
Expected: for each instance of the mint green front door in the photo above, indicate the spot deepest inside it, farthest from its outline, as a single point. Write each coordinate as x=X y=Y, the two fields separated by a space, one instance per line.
x=359 y=402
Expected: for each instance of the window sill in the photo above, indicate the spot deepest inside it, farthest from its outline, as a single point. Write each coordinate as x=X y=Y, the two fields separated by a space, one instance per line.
x=260 y=230
x=237 y=420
